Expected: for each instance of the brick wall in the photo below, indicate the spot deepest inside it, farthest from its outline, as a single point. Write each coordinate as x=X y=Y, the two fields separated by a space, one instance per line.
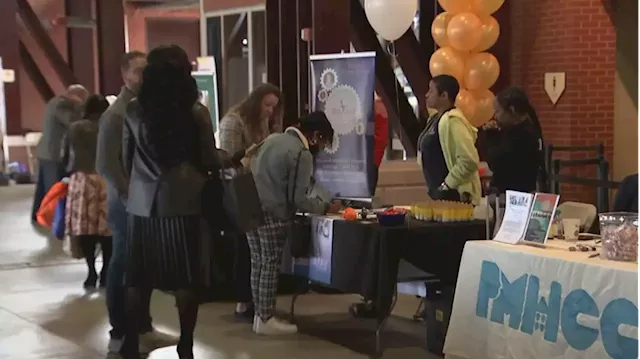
x=576 y=37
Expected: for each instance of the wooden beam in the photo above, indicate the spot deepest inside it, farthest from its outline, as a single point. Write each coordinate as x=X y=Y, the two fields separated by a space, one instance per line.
x=10 y=53
x=35 y=75
x=34 y=25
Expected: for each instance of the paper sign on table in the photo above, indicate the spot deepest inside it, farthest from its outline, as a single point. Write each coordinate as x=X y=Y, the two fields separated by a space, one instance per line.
x=516 y=217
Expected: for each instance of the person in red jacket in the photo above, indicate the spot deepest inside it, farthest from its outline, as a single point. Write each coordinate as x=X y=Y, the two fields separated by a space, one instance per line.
x=380 y=137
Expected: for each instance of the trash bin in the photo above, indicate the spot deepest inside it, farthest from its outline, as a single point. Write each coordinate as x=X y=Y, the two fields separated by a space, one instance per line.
x=438 y=304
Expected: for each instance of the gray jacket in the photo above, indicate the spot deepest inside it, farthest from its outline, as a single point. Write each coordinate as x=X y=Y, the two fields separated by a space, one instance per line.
x=83 y=138
x=59 y=113
x=282 y=191
x=155 y=191
x=109 y=162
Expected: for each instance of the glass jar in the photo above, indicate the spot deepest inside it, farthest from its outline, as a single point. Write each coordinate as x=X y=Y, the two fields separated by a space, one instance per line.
x=619 y=232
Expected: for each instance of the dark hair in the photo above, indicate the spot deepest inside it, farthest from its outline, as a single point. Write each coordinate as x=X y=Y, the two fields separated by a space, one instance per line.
x=514 y=98
x=249 y=109
x=447 y=84
x=94 y=107
x=317 y=121
x=167 y=98
x=125 y=62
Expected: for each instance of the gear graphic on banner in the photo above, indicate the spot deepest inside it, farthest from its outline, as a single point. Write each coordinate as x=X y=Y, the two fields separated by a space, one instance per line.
x=343 y=109
x=335 y=144
x=328 y=79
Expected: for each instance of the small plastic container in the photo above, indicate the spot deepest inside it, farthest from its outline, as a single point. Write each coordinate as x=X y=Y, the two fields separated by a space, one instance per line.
x=391 y=220
x=619 y=231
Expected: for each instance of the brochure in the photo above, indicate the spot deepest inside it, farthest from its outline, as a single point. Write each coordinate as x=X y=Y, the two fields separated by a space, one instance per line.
x=539 y=223
x=516 y=216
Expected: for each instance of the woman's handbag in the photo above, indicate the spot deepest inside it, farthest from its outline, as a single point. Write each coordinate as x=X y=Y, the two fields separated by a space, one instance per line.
x=299 y=236
x=241 y=201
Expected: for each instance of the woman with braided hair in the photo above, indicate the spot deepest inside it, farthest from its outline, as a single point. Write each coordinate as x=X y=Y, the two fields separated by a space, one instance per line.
x=515 y=147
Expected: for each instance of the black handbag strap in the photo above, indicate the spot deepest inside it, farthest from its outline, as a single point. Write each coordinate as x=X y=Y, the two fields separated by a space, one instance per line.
x=290 y=200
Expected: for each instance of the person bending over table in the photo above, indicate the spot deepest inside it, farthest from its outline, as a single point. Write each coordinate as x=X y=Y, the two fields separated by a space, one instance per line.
x=282 y=170
x=514 y=143
x=446 y=147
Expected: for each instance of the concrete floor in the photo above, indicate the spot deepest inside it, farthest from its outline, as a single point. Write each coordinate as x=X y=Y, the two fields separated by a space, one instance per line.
x=45 y=313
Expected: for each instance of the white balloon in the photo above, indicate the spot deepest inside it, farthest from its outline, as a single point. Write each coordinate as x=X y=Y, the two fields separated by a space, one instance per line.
x=391 y=18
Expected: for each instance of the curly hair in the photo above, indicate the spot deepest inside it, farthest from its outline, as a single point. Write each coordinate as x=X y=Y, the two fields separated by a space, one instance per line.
x=167 y=98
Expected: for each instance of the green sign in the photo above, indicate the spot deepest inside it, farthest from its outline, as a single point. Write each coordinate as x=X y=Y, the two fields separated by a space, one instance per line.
x=208 y=88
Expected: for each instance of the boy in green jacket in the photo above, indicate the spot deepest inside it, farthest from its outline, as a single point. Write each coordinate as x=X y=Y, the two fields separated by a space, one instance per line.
x=446 y=147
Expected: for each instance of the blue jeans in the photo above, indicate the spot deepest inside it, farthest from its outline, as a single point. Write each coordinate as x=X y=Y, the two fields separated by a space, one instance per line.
x=116 y=293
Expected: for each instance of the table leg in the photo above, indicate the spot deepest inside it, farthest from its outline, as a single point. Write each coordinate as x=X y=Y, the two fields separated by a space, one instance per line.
x=301 y=290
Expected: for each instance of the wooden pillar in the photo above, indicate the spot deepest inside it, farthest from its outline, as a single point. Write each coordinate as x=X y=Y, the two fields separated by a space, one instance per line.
x=289 y=39
x=305 y=20
x=273 y=41
x=10 y=54
x=111 y=44
x=81 y=43
x=331 y=26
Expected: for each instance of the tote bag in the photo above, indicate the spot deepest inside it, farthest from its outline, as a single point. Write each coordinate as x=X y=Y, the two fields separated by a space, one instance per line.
x=58 y=225
x=241 y=201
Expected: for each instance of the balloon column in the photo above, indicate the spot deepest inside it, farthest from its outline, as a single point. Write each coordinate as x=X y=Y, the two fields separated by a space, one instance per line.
x=464 y=32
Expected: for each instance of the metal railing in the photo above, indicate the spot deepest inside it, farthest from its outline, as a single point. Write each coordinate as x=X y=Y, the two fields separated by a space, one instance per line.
x=602 y=182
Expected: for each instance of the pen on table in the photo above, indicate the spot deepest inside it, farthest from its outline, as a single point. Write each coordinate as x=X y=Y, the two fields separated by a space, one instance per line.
x=594 y=255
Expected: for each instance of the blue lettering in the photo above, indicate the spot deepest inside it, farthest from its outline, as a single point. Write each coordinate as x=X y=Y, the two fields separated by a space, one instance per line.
x=510 y=301
x=617 y=312
x=489 y=287
x=578 y=336
x=540 y=315
x=529 y=312
x=508 y=297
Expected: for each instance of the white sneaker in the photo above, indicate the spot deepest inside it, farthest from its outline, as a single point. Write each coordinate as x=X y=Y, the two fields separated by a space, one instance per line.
x=154 y=339
x=273 y=326
x=115 y=345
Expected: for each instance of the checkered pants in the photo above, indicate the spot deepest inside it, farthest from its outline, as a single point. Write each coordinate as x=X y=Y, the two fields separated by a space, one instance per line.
x=266 y=245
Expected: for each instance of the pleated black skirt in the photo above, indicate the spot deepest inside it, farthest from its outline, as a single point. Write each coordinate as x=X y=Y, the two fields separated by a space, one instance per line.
x=165 y=253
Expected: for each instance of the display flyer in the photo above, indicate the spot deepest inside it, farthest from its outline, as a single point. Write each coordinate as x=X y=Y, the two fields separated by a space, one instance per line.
x=542 y=212
x=343 y=88
x=516 y=216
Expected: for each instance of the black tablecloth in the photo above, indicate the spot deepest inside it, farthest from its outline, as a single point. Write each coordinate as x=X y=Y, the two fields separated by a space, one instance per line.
x=366 y=256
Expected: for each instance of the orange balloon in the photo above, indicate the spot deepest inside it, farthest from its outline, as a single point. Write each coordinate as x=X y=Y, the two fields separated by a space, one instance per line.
x=490 y=32
x=484 y=107
x=447 y=61
x=486 y=7
x=466 y=103
x=481 y=72
x=464 y=31
x=456 y=6
x=439 y=29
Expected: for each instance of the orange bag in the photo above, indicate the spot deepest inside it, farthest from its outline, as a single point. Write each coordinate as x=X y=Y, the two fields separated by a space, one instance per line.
x=47 y=209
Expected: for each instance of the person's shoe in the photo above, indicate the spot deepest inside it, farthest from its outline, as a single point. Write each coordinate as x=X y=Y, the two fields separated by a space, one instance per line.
x=246 y=316
x=154 y=339
x=273 y=326
x=90 y=282
x=115 y=344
